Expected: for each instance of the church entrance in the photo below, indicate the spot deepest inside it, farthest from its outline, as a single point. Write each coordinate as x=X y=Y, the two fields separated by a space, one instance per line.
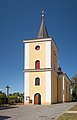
x=37 y=99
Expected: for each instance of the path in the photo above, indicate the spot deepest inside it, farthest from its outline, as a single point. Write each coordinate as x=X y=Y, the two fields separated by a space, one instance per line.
x=35 y=112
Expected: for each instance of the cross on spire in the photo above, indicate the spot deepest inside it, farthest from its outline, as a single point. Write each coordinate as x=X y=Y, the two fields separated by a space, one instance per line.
x=43 y=14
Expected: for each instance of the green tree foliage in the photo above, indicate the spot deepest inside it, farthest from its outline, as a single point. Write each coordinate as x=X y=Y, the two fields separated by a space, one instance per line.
x=15 y=98
x=11 y=99
x=74 y=87
x=2 y=98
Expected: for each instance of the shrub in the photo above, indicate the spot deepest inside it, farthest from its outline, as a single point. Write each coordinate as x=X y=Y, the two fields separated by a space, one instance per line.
x=2 y=98
x=11 y=102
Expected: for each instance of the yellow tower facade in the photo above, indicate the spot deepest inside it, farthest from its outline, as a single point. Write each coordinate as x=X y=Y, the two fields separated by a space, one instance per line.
x=41 y=80
x=40 y=68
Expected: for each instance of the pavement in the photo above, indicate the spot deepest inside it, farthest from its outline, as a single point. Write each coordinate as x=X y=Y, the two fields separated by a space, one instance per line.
x=35 y=112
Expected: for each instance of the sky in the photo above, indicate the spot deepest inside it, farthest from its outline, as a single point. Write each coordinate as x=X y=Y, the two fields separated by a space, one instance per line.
x=21 y=19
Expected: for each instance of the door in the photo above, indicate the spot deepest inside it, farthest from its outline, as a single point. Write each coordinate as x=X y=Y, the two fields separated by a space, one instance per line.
x=37 y=99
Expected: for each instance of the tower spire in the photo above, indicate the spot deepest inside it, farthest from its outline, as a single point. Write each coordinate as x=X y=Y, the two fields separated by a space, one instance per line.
x=43 y=31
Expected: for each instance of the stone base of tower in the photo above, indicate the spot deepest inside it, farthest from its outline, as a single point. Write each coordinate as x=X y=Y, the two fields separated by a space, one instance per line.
x=43 y=103
x=46 y=103
x=26 y=103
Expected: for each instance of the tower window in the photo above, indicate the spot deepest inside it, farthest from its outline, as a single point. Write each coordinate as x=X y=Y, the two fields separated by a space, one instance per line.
x=37 y=64
x=37 y=81
x=37 y=47
x=54 y=53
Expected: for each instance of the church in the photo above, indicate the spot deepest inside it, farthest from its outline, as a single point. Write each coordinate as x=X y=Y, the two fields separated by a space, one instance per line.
x=44 y=82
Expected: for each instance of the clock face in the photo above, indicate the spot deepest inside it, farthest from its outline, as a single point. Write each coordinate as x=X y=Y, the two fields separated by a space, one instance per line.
x=37 y=47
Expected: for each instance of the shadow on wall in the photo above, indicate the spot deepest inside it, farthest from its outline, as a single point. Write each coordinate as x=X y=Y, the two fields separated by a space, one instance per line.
x=4 y=117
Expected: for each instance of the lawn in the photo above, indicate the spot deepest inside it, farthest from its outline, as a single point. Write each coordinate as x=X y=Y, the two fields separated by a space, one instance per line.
x=73 y=108
x=69 y=116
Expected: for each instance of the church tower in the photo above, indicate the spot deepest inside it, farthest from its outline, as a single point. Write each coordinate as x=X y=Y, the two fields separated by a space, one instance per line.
x=40 y=68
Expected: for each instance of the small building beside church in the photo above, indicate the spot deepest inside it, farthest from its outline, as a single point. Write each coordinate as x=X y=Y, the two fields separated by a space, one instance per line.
x=44 y=82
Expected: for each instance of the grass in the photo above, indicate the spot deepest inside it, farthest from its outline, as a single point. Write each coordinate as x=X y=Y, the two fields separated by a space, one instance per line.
x=69 y=116
x=4 y=105
x=73 y=108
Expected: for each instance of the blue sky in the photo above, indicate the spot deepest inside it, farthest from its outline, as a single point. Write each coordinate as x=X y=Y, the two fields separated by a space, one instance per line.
x=20 y=19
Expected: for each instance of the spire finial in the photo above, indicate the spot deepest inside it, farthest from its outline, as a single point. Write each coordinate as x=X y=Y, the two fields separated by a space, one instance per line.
x=42 y=13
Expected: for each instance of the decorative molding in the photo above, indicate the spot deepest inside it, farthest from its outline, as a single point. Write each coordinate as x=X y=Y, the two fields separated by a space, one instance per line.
x=38 y=70
x=37 y=40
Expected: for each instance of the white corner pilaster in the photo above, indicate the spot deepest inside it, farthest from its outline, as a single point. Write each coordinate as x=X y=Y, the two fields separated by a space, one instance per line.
x=63 y=91
x=48 y=54
x=48 y=86
x=26 y=56
x=26 y=86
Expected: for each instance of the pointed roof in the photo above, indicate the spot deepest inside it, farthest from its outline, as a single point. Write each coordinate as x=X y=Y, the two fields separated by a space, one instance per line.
x=43 y=31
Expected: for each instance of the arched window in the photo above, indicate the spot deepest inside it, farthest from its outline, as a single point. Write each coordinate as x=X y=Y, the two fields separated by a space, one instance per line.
x=37 y=64
x=37 y=81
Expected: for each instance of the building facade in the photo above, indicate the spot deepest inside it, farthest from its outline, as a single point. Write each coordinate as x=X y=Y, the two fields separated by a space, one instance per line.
x=41 y=79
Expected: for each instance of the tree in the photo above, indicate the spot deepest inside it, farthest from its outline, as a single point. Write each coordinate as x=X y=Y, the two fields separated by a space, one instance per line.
x=19 y=97
x=15 y=98
x=2 y=98
x=74 y=87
